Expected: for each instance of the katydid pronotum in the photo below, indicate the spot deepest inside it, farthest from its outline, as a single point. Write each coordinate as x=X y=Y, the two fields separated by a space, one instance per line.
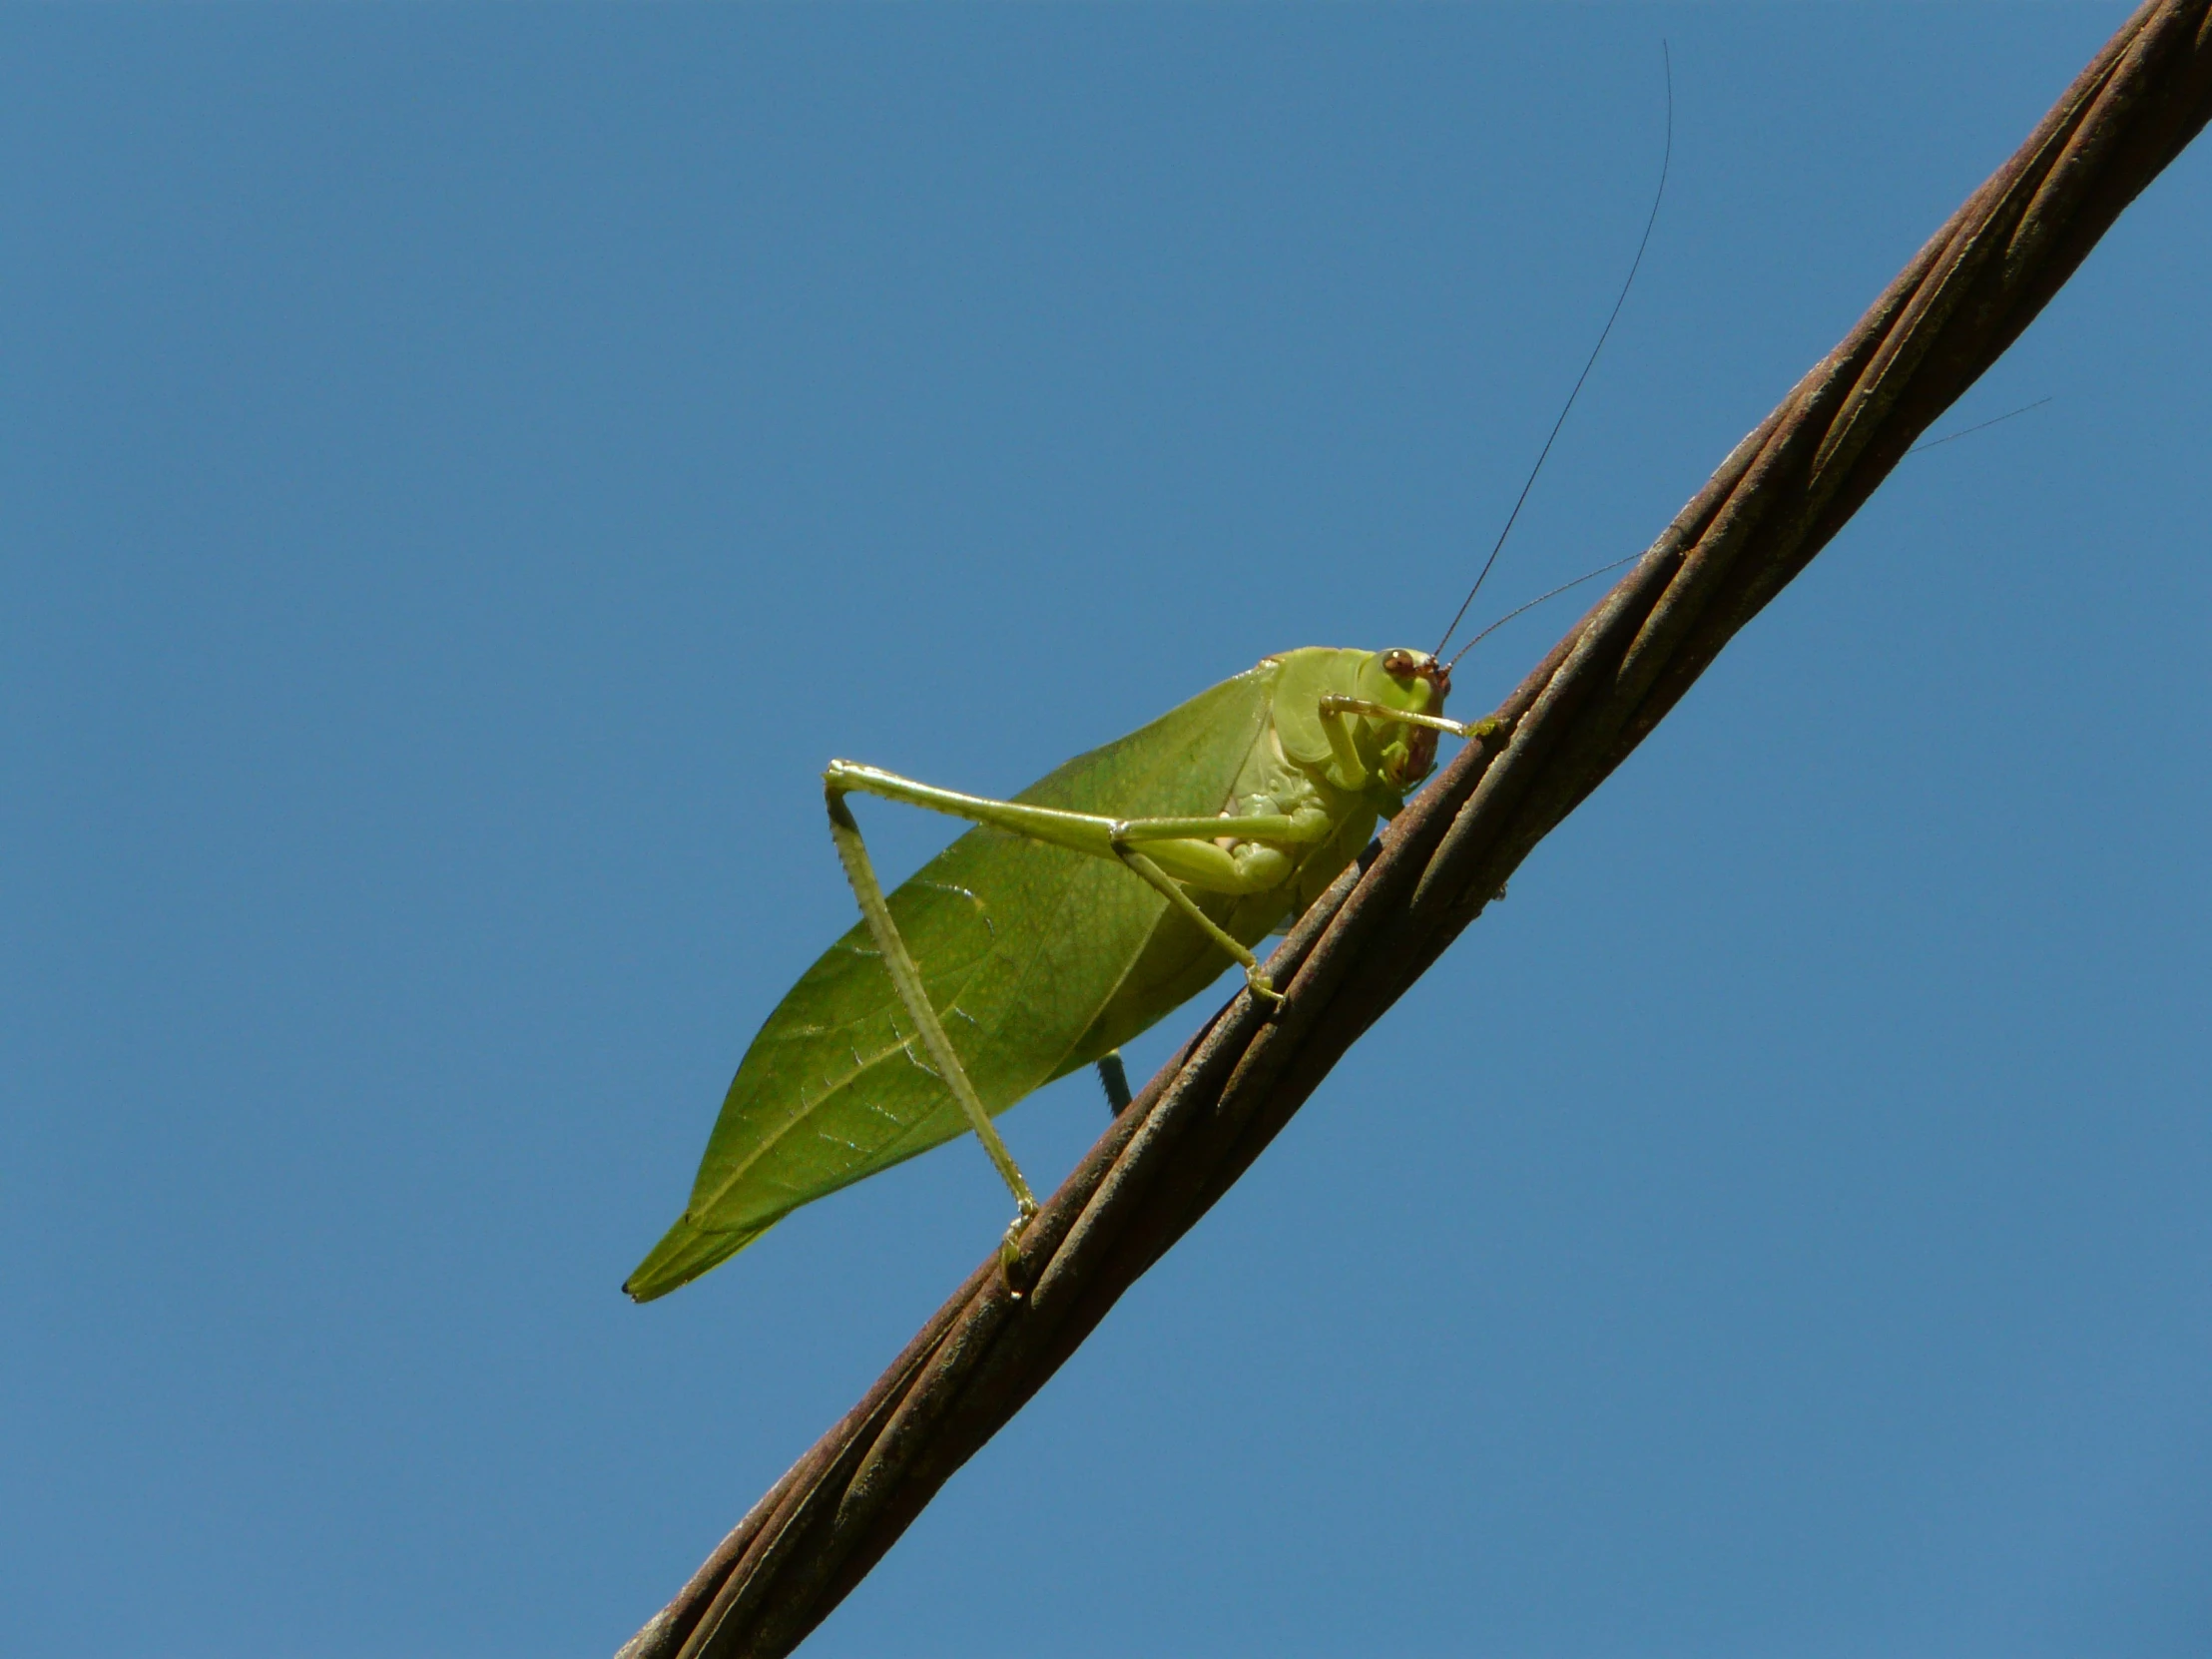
x=1070 y=918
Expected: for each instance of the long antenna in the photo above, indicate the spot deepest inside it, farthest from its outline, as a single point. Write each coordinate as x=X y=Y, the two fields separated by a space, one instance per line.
x=1667 y=157
x=1586 y=576
x=1938 y=443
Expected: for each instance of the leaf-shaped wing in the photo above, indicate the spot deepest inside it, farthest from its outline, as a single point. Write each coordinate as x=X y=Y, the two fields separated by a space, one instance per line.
x=1027 y=952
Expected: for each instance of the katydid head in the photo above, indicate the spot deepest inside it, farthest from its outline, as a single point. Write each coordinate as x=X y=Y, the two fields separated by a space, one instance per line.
x=1334 y=714
x=1419 y=684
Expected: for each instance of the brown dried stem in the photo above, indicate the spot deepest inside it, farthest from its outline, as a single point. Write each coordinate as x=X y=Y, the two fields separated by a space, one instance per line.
x=1774 y=503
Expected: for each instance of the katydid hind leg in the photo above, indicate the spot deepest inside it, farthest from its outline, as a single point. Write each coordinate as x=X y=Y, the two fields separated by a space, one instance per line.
x=845 y=830
x=1184 y=847
x=1172 y=854
x=1170 y=841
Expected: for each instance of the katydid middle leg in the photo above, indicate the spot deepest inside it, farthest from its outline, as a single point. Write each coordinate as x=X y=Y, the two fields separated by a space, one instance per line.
x=1113 y=1077
x=1256 y=978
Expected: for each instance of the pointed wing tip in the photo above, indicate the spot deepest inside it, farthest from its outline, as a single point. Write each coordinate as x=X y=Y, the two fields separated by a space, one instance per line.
x=686 y=1252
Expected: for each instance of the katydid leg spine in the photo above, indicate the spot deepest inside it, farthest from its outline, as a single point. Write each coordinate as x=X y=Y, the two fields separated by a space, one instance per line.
x=1113 y=1077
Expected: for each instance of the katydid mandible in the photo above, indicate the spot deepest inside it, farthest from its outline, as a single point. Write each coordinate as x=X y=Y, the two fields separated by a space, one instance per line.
x=1069 y=919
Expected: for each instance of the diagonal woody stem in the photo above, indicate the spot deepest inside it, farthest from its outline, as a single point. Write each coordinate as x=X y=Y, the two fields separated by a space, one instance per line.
x=1775 y=502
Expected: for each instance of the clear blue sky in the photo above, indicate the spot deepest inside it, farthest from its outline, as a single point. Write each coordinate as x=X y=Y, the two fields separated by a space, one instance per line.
x=465 y=470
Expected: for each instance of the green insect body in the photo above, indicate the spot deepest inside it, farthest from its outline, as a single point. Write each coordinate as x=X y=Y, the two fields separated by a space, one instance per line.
x=1044 y=940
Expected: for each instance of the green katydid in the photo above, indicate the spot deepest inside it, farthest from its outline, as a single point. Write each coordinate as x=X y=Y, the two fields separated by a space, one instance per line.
x=1070 y=918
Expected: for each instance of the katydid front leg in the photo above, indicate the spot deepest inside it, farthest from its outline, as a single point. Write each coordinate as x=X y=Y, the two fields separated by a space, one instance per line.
x=1337 y=706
